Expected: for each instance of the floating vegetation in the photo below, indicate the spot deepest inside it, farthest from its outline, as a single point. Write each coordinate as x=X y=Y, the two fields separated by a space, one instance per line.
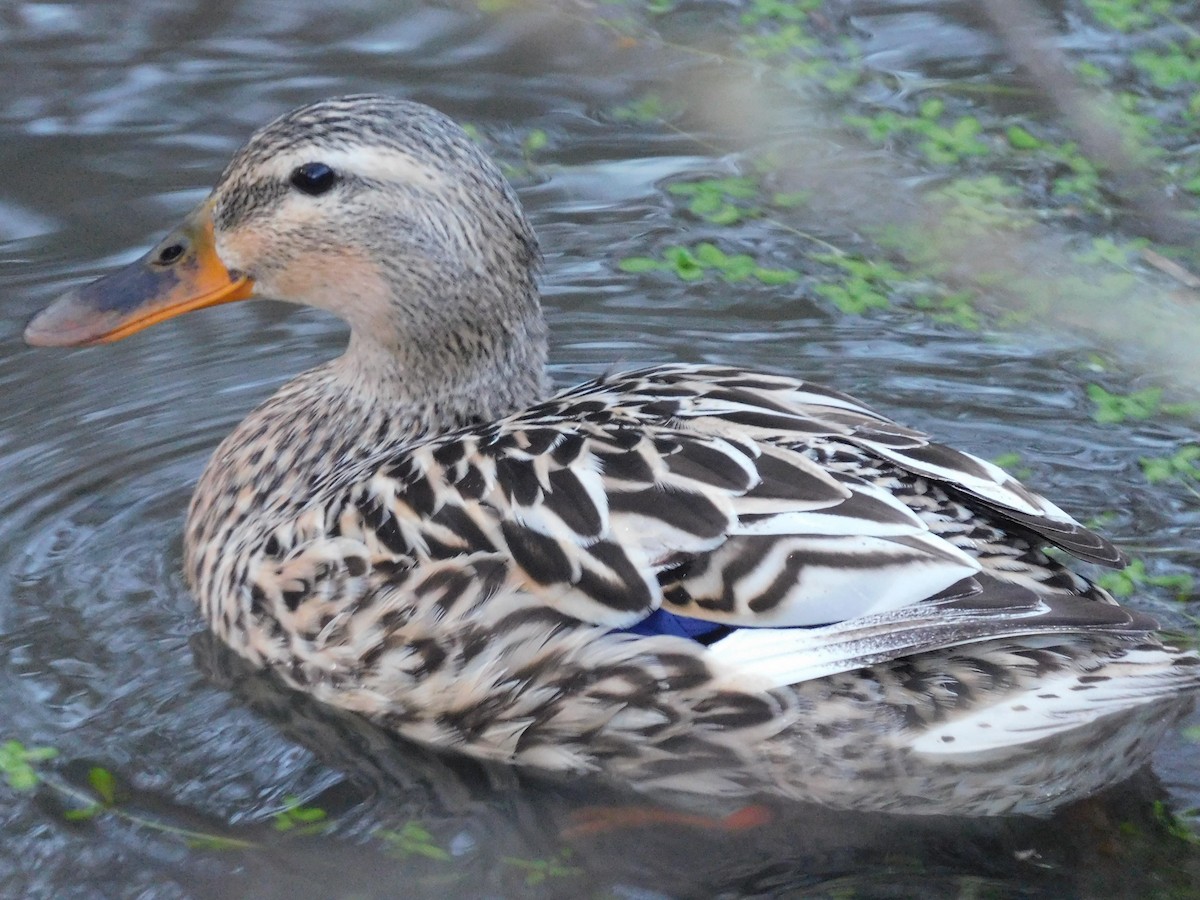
x=981 y=172
x=1128 y=15
x=299 y=818
x=104 y=785
x=728 y=201
x=694 y=263
x=973 y=205
x=722 y=201
x=412 y=839
x=17 y=764
x=990 y=176
x=538 y=871
x=1134 y=578
x=1014 y=464
x=650 y=107
x=865 y=285
x=1176 y=65
x=1137 y=406
x=26 y=769
x=942 y=140
x=1181 y=466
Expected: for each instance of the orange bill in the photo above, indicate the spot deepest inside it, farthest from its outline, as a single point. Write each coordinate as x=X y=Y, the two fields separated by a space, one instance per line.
x=181 y=274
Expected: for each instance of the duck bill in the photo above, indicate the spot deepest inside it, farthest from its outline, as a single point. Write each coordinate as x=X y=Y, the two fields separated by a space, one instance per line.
x=182 y=273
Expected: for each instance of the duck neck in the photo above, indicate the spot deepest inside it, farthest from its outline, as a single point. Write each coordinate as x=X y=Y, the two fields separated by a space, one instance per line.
x=328 y=426
x=439 y=374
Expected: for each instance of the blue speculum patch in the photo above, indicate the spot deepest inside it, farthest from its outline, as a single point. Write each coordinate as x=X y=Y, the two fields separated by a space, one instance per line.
x=662 y=622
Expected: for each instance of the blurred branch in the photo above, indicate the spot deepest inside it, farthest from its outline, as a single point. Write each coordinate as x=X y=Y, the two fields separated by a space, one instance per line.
x=1029 y=42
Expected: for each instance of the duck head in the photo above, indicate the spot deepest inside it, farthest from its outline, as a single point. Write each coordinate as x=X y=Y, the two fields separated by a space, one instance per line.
x=381 y=211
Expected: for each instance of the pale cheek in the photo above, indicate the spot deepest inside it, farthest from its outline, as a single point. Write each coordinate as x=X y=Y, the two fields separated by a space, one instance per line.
x=240 y=251
x=342 y=282
x=292 y=257
x=269 y=249
x=324 y=278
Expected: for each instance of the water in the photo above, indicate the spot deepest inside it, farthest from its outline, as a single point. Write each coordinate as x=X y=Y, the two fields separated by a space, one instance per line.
x=115 y=120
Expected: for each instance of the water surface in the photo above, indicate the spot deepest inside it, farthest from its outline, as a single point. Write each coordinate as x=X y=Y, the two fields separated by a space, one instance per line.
x=115 y=120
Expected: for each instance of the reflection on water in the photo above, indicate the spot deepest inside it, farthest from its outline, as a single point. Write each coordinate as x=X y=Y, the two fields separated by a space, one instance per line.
x=116 y=117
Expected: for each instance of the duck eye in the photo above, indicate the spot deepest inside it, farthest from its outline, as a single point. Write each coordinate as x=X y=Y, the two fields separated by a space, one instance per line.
x=313 y=178
x=169 y=254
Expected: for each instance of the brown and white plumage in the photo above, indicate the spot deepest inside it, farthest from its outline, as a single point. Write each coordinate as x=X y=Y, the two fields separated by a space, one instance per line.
x=693 y=578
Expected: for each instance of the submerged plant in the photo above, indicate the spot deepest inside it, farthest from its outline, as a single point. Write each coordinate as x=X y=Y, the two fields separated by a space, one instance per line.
x=297 y=817
x=412 y=839
x=538 y=871
x=23 y=771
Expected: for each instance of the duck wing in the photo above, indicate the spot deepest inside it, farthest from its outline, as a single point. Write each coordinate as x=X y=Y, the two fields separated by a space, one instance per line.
x=706 y=491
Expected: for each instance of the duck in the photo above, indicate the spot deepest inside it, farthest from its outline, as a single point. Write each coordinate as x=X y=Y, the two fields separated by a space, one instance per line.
x=692 y=580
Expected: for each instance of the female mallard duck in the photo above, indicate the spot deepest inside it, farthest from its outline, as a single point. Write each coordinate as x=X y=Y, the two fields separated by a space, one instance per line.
x=691 y=578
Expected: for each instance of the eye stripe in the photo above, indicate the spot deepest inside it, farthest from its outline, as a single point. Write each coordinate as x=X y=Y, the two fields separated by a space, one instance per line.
x=244 y=200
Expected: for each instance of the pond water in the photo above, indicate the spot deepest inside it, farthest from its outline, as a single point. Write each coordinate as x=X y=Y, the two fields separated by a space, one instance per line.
x=115 y=120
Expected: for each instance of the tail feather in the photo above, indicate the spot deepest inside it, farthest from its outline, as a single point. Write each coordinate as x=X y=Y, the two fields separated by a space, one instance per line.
x=785 y=656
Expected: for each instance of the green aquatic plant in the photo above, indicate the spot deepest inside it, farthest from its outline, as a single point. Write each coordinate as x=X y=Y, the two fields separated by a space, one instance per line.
x=941 y=140
x=532 y=143
x=1013 y=463
x=1172 y=66
x=535 y=139
x=104 y=784
x=1102 y=521
x=1136 y=406
x=1021 y=139
x=1134 y=577
x=864 y=285
x=776 y=32
x=729 y=201
x=1080 y=178
x=779 y=10
x=497 y=6
x=951 y=308
x=650 y=107
x=694 y=263
x=538 y=871
x=301 y=819
x=1092 y=74
x=1172 y=824
x=412 y=839
x=783 y=41
x=1128 y=15
x=1182 y=465
x=975 y=204
x=722 y=201
x=23 y=770
x=946 y=145
x=1137 y=128
x=17 y=764
x=1115 y=253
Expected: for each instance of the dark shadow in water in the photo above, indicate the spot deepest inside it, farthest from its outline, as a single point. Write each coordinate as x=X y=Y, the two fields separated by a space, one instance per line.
x=1112 y=846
